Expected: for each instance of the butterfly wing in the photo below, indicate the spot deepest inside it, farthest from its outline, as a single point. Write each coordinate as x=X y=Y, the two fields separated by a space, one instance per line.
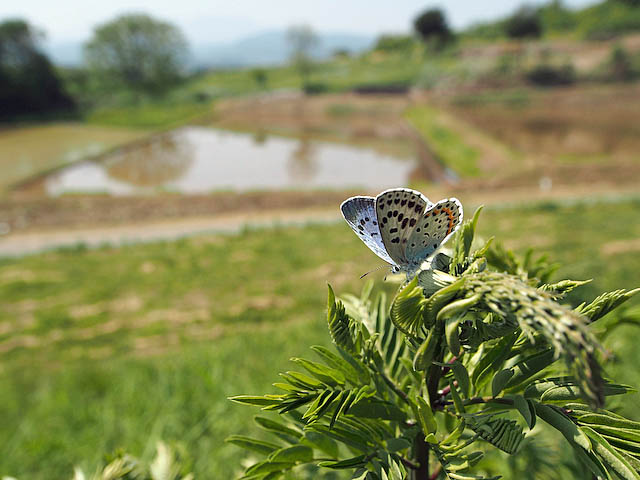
x=433 y=229
x=399 y=210
x=360 y=214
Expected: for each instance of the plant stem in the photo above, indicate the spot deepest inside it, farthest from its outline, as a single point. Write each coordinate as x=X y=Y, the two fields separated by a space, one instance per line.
x=422 y=456
x=409 y=464
x=434 y=373
x=476 y=400
x=394 y=387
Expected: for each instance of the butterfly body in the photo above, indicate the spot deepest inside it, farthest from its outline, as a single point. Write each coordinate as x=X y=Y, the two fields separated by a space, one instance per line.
x=402 y=226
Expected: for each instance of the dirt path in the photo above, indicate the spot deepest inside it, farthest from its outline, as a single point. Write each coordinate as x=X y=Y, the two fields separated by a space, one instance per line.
x=36 y=241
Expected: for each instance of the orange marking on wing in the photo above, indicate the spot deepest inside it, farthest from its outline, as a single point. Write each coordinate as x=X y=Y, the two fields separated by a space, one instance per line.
x=449 y=213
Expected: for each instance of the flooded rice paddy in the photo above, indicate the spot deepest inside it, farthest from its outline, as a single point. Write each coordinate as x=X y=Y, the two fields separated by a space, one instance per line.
x=196 y=159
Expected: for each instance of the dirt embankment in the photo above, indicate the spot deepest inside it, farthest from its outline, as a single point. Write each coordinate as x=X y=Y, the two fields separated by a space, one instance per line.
x=97 y=210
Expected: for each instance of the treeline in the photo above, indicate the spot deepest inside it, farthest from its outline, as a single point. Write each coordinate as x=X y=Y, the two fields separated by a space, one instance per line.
x=602 y=21
x=29 y=84
x=132 y=53
x=605 y=20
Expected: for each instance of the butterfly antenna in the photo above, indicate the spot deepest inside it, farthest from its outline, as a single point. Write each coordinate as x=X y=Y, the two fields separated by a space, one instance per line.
x=371 y=271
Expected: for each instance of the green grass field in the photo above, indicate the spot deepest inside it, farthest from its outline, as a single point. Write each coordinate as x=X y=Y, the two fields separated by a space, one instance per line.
x=120 y=347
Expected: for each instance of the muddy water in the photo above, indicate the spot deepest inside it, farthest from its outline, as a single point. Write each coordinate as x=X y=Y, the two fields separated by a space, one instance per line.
x=199 y=160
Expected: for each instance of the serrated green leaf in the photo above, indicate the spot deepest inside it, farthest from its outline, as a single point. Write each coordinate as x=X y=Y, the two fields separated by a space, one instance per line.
x=320 y=406
x=427 y=418
x=457 y=464
x=607 y=419
x=349 y=437
x=617 y=432
x=265 y=467
x=462 y=377
x=455 y=396
x=566 y=389
x=375 y=408
x=457 y=308
x=610 y=456
x=492 y=361
x=339 y=323
x=293 y=454
x=622 y=444
x=563 y=287
x=260 y=401
x=338 y=363
x=605 y=303
x=500 y=432
x=360 y=475
x=276 y=427
x=253 y=444
x=397 y=444
x=528 y=367
x=355 y=462
x=524 y=409
x=500 y=380
x=455 y=434
x=424 y=356
x=322 y=443
x=452 y=335
x=462 y=243
x=563 y=424
x=325 y=374
x=301 y=380
x=406 y=309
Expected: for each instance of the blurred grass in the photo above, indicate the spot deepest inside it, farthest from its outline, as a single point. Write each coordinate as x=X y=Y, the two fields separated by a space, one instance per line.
x=118 y=347
x=337 y=75
x=447 y=144
x=148 y=115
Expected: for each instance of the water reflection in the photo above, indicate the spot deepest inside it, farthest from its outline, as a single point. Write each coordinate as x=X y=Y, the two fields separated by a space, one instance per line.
x=200 y=159
x=153 y=163
x=302 y=165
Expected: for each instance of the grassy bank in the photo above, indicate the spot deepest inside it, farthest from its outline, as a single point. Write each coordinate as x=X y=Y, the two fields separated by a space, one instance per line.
x=112 y=348
x=149 y=115
x=447 y=144
x=28 y=150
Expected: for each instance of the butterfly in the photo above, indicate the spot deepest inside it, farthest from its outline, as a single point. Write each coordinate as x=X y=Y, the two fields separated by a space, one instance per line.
x=402 y=226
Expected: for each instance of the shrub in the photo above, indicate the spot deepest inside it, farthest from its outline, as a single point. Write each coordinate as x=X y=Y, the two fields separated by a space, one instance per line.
x=525 y=23
x=394 y=43
x=548 y=75
x=620 y=66
x=315 y=88
x=464 y=362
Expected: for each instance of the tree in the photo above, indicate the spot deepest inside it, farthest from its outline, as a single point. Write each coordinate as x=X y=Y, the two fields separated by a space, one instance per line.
x=302 y=41
x=524 y=23
x=138 y=52
x=432 y=26
x=28 y=81
x=471 y=354
x=260 y=76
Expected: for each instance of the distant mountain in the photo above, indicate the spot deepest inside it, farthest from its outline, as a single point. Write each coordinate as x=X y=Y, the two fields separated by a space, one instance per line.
x=64 y=54
x=272 y=48
x=268 y=48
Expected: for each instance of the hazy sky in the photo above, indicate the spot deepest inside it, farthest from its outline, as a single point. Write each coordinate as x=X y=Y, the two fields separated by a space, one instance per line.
x=220 y=21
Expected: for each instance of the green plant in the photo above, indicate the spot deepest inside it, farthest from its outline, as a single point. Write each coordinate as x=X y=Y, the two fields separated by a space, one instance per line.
x=166 y=465
x=464 y=361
